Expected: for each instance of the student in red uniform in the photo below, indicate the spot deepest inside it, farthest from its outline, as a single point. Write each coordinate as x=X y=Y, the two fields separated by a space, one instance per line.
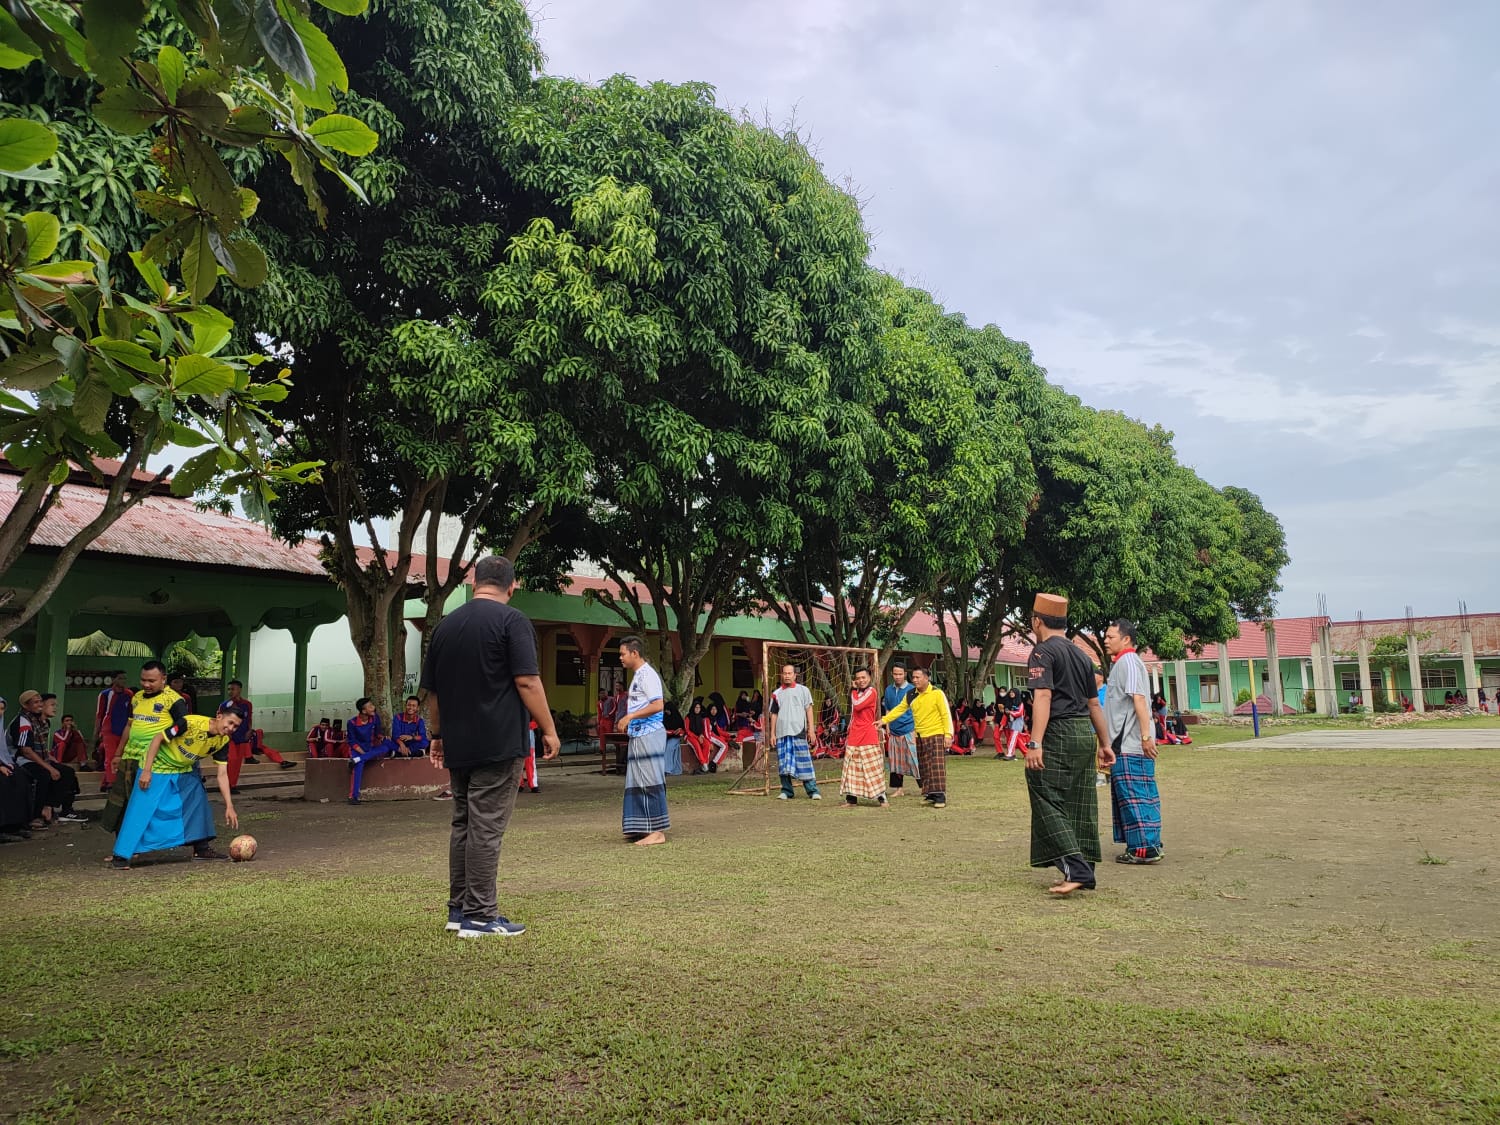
x=528 y=772
x=246 y=741
x=318 y=740
x=698 y=734
x=68 y=746
x=111 y=716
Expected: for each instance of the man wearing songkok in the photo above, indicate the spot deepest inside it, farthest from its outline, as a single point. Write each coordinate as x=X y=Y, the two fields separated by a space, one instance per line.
x=1069 y=742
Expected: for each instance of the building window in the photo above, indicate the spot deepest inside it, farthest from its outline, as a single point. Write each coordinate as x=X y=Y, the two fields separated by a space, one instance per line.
x=1439 y=678
x=1208 y=689
x=569 y=668
x=741 y=675
x=1349 y=681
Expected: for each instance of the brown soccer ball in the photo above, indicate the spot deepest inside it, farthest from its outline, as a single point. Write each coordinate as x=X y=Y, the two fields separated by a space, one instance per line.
x=242 y=848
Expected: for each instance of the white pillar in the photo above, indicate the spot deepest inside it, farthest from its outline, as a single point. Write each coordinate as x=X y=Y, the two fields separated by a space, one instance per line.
x=1302 y=672
x=1414 y=666
x=1365 y=685
x=1471 y=673
x=1273 y=667
x=1226 y=681
x=1327 y=701
x=1179 y=671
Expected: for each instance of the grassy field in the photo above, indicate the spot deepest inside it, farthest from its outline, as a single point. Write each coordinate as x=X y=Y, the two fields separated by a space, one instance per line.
x=1321 y=945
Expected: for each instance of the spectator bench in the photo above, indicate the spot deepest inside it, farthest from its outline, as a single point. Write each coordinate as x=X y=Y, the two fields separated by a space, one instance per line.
x=386 y=779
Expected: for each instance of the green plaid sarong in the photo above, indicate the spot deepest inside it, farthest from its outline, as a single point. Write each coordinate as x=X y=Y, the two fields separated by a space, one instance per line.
x=1064 y=805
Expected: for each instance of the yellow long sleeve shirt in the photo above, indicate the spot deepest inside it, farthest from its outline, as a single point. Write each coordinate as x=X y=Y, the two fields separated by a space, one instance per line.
x=929 y=709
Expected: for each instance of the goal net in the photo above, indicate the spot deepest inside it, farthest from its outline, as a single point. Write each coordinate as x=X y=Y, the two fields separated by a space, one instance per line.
x=828 y=671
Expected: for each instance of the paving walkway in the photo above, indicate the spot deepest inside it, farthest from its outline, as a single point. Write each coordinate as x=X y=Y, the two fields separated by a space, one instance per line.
x=1396 y=738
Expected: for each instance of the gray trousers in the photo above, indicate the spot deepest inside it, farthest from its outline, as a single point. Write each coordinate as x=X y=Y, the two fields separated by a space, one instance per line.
x=483 y=799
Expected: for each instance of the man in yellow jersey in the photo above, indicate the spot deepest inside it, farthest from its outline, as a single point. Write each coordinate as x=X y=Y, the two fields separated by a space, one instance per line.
x=154 y=709
x=934 y=729
x=168 y=808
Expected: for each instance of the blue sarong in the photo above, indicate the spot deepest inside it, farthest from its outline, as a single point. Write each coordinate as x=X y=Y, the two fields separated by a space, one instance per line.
x=171 y=813
x=646 y=784
x=1136 y=803
x=794 y=759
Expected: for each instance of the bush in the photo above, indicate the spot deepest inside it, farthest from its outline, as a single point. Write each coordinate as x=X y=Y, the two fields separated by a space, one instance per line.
x=1309 y=701
x=1243 y=697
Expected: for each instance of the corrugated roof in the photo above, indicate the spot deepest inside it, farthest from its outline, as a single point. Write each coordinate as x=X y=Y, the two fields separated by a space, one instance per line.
x=166 y=527
x=1445 y=633
x=1294 y=637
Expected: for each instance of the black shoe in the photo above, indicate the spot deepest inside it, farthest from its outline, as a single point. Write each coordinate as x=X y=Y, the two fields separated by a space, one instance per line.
x=7 y=838
x=713 y=767
x=354 y=800
x=234 y=790
x=119 y=864
x=536 y=788
x=252 y=761
x=288 y=765
x=1138 y=860
x=208 y=854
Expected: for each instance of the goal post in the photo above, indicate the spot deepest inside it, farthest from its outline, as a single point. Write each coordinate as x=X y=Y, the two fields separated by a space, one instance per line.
x=828 y=671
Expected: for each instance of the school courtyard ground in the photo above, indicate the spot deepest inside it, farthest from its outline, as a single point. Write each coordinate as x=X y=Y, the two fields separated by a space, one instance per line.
x=1322 y=944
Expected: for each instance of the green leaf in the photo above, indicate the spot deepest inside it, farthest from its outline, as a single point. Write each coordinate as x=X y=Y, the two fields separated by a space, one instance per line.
x=186 y=436
x=35 y=175
x=283 y=45
x=16 y=49
x=198 y=471
x=346 y=7
x=43 y=232
x=71 y=272
x=211 y=329
x=343 y=133
x=127 y=110
x=29 y=370
x=172 y=66
x=24 y=144
x=59 y=474
x=112 y=28
x=200 y=272
x=326 y=63
x=129 y=354
x=198 y=375
x=268 y=392
x=91 y=404
x=250 y=266
x=209 y=180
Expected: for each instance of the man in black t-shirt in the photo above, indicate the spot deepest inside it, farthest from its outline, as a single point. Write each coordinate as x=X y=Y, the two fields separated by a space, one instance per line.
x=483 y=689
x=1069 y=741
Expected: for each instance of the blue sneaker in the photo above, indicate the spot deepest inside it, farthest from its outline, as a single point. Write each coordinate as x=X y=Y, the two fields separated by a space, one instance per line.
x=455 y=919
x=499 y=927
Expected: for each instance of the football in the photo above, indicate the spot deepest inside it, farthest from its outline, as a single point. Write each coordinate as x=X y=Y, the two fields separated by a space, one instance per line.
x=242 y=848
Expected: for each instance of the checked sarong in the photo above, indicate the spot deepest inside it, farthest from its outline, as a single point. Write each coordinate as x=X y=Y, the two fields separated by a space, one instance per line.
x=1136 y=804
x=863 y=774
x=932 y=761
x=1064 y=808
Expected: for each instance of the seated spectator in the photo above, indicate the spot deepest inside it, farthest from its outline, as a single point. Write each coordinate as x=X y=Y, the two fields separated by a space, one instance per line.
x=170 y=810
x=1447 y=699
x=68 y=746
x=15 y=792
x=317 y=739
x=338 y=742
x=409 y=730
x=55 y=785
x=367 y=742
x=672 y=721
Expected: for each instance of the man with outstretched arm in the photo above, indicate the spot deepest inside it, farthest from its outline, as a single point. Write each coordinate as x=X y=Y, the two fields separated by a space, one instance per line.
x=483 y=689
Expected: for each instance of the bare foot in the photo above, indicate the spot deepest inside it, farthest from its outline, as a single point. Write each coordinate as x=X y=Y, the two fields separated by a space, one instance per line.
x=847 y=805
x=1062 y=890
x=885 y=804
x=654 y=838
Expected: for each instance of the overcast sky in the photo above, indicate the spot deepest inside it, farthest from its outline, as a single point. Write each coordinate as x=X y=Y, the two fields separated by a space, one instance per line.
x=1270 y=227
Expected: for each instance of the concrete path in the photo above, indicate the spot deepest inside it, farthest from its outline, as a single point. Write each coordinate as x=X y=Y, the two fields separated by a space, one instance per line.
x=1395 y=738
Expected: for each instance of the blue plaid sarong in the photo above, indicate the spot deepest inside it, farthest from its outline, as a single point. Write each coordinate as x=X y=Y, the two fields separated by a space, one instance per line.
x=1136 y=803
x=794 y=759
x=646 y=784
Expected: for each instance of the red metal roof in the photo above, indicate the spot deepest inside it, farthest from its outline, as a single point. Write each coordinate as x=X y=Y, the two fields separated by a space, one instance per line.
x=167 y=527
x=1294 y=637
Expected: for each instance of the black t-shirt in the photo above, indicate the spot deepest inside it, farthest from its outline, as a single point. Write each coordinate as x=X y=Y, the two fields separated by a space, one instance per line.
x=1058 y=665
x=476 y=653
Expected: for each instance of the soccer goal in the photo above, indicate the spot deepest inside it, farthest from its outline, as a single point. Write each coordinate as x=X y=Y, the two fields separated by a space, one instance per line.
x=828 y=671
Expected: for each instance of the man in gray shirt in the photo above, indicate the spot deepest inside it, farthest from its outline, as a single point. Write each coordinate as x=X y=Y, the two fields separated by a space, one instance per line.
x=791 y=719
x=1134 y=796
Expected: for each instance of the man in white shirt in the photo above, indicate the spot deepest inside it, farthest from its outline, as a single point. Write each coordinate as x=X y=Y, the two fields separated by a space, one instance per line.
x=645 y=820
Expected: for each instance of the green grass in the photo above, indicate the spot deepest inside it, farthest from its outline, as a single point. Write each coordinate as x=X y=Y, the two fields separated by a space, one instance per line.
x=1294 y=960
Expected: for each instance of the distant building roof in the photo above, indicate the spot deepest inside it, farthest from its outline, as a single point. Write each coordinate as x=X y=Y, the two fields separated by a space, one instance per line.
x=165 y=527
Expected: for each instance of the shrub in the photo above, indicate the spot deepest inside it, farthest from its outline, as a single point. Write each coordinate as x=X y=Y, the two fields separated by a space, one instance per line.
x=1243 y=697
x=1309 y=701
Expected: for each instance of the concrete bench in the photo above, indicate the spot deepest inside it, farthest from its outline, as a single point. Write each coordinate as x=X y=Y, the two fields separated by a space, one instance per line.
x=386 y=779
